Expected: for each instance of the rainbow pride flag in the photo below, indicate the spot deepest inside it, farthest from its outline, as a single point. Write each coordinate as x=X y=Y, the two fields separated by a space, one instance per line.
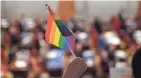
x=58 y=34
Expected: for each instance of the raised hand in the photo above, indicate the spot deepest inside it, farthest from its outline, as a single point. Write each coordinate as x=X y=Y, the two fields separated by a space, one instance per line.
x=75 y=69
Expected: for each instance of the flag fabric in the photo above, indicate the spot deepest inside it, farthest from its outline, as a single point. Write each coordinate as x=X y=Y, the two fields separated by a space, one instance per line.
x=58 y=34
x=66 y=9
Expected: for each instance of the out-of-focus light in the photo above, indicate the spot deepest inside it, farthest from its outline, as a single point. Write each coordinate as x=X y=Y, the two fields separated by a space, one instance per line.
x=27 y=39
x=51 y=54
x=120 y=54
x=4 y=23
x=88 y=53
x=114 y=41
x=121 y=65
x=29 y=24
x=23 y=55
x=44 y=75
x=112 y=38
x=130 y=25
x=137 y=36
x=82 y=36
x=20 y=63
x=90 y=63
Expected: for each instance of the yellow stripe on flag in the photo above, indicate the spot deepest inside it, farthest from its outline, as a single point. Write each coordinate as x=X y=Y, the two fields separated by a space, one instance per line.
x=52 y=32
x=57 y=36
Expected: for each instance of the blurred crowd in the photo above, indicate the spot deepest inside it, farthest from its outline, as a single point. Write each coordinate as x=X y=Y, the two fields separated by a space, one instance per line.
x=26 y=54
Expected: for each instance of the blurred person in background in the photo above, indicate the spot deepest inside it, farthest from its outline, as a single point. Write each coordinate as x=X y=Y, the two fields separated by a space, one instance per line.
x=40 y=23
x=5 y=70
x=6 y=41
x=78 y=48
x=12 y=53
x=35 y=62
x=15 y=31
x=54 y=62
x=19 y=65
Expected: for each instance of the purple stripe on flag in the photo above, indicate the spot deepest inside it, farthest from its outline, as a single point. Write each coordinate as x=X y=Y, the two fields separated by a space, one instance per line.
x=71 y=41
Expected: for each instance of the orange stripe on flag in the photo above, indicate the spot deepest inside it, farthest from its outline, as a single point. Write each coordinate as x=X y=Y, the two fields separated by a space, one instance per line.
x=48 y=27
x=52 y=32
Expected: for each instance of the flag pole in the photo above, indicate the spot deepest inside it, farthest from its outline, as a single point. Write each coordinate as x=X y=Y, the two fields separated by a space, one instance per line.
x=70 y=50
x=48 y=6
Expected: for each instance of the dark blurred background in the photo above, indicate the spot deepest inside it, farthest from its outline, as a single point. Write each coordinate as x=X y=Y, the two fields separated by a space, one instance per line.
x=107 y=33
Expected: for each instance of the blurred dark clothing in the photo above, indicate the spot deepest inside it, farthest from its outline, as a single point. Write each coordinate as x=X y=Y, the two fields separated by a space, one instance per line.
x=20 y=74
x=102 y=43
x=98 y=25
x=122 y=21
x=11 y=56
x=56 y=73
x=111 y=55
x=105 y=66
x=90 y=72
x=15 y=39
x=136 y=63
